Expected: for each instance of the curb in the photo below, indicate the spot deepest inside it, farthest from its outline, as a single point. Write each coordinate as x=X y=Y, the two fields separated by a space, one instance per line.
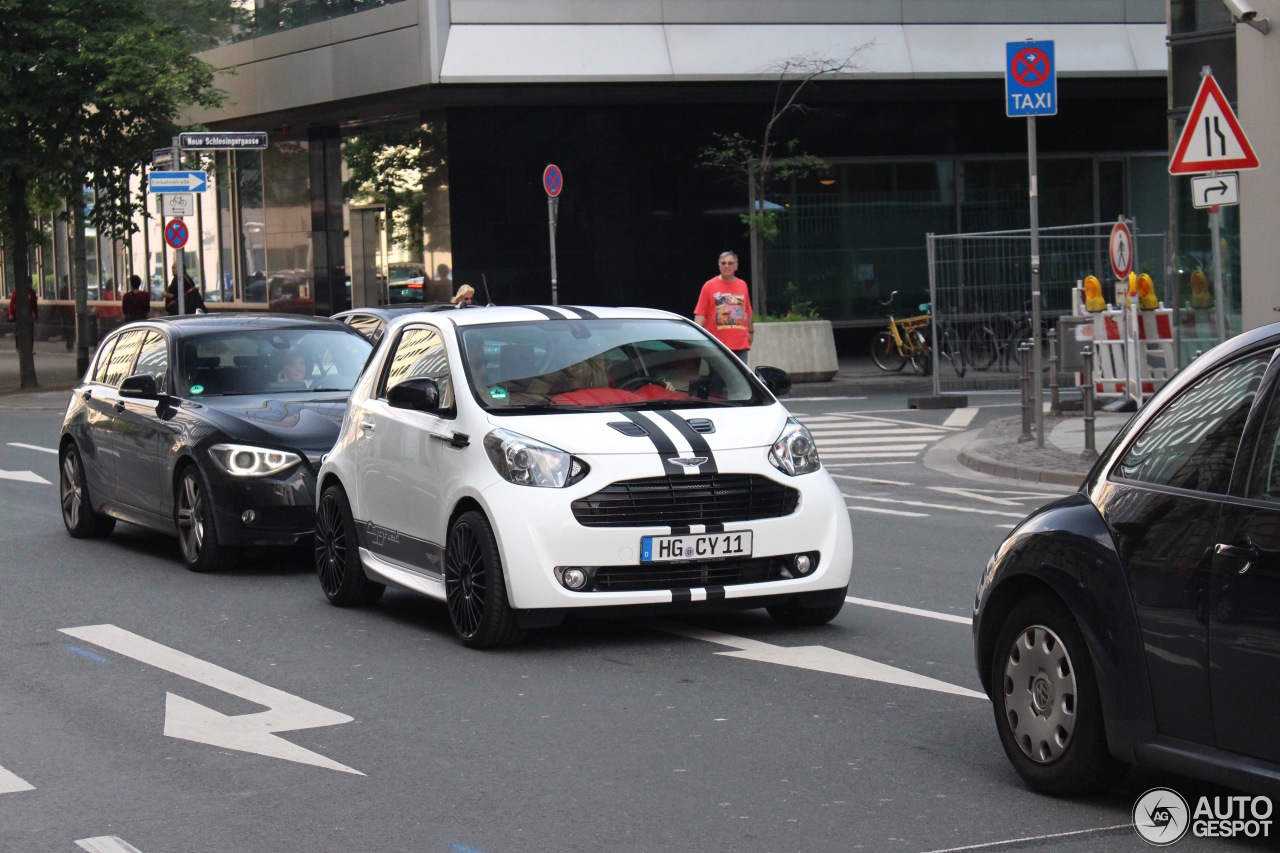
x=987 y=465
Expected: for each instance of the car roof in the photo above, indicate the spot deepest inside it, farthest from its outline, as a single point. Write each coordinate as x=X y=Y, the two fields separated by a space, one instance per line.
x=191 y=325
x=485 y=314
x=386 y=312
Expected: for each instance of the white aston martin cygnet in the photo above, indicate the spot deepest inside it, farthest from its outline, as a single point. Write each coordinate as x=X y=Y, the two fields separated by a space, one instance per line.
x=517 y=462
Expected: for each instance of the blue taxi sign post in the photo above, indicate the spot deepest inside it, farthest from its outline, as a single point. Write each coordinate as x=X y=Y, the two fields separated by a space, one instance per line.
x=553 y=183
x=1031 y=89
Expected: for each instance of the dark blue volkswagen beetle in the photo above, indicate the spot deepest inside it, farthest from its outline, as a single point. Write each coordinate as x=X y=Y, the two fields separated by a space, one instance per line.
x=1138 y=621
x=209 y=426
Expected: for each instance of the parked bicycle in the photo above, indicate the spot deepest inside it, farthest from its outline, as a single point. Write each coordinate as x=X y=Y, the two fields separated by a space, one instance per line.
x=905 y=341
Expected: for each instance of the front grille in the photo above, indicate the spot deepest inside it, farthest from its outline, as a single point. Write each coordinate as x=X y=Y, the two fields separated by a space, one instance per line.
x=686 y=500
x=688 y=575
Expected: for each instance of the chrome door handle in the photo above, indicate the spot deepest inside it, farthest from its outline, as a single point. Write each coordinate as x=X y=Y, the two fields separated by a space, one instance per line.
x=367 y=425
x=87 y=395
x=119 y=407
x=1237 y=552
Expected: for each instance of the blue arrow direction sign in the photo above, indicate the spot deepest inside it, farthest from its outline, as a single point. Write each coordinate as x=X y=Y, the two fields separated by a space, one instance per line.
x=1030 y=79
x=184 y=182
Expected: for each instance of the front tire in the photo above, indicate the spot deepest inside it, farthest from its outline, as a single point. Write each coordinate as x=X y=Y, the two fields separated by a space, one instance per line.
x=81 y=521
x=475 y=590
x=884 y=352
x=197 y=536
x=338 y=564
x=1046 y=702
x=807 y=610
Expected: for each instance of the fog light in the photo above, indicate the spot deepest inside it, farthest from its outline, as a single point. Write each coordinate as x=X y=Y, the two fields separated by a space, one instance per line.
x=574 y=578
x=803 y=564
x=248 y=516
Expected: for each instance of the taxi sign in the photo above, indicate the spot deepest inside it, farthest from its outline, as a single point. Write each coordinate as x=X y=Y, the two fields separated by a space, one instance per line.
x=1030 y=79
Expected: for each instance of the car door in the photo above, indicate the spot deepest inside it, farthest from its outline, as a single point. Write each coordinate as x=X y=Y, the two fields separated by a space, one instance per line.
x=1244 y=617
x=106 y=407
x=142 y=432
x=96 y=449
x=400 y=456
x=1162 y=503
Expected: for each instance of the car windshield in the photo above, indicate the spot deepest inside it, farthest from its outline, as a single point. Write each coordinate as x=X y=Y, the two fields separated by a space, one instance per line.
x=271 y=361
x=556 y=365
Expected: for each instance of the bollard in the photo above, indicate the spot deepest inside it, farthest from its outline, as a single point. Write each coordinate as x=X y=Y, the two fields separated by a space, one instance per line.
x=1054 y=405
x=1090 y=448
x=1024 y=353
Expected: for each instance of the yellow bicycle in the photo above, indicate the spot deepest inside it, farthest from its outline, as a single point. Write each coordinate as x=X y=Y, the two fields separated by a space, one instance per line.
x=903 y=341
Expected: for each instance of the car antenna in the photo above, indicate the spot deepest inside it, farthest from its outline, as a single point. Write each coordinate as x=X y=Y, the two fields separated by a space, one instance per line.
x=485 y=281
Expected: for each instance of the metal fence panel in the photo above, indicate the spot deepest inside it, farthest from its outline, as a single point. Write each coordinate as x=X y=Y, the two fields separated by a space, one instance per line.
x=980 y=285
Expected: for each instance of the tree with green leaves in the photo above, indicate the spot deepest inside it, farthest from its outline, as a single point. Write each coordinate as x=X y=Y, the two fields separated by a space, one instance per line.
x=758 y=164
x=88 y=88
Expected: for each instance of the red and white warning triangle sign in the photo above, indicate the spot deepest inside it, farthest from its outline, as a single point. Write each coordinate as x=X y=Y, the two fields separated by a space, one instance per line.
x=1212 y=139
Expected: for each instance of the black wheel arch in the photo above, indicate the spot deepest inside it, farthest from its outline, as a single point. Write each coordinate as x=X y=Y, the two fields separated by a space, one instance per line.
x=1067 y=551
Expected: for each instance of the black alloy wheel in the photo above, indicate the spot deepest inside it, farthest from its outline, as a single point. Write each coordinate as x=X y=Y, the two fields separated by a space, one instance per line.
x=197 y=536
x=338 y=565
x=475 y=591
x=1046 y=702
x=73 y=491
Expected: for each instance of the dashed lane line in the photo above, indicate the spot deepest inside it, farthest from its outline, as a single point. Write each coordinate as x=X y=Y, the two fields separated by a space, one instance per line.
x=52 y=450
x=927 y=505
x=1036 y=839
x=882 y=511
x=911 y=611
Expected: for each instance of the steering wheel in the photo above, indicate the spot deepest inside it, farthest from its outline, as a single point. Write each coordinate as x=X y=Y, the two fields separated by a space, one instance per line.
x=635 y=383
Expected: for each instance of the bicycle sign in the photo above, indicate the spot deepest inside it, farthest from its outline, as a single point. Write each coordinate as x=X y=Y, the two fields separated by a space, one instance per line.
x=1030 y=79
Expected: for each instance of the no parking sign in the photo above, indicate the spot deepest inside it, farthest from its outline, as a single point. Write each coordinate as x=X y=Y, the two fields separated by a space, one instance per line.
x=1030 y=79
x=175 y=233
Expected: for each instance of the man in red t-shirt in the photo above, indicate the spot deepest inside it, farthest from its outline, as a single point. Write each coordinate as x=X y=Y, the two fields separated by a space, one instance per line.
x=136 y=304
x=724 y=308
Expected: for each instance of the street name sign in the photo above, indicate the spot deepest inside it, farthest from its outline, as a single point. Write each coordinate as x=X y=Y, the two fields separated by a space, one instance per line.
x=1030 y=79
x=1212 y=139
x=186 y=182
x=162 y=158
x=1215 y=190
x=222 y=141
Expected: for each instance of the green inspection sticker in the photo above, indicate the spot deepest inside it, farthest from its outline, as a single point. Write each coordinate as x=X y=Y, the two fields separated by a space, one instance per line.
x=498 y=393
x=197 y=389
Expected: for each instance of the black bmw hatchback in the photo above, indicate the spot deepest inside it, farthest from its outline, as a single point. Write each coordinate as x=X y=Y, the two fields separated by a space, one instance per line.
x=211 y=427
x=1138 y=621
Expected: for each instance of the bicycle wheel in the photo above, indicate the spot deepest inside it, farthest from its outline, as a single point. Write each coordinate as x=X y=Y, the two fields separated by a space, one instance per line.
x=884 y=352
x=982 y=348
x=952 y=350
x=921 y=355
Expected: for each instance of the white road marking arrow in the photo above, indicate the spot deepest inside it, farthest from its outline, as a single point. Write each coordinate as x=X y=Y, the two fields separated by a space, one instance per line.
x=820 y=659
x=106 y=844
x=24 y=477
x=11 y=784
x=189 y=720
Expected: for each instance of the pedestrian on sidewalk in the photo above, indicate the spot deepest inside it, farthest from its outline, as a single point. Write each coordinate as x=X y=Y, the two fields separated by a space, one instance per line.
x=136 y=304
x=193 y=302
x=13 y=305
x=724 y=308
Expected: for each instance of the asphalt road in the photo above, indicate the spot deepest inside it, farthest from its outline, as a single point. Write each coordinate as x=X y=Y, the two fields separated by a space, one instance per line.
x=722 y=733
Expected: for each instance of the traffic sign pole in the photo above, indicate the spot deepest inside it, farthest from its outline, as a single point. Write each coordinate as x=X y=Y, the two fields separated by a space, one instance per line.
x=1219 y=311
x=180 y=278
x=1036 y=378
x=553 y=183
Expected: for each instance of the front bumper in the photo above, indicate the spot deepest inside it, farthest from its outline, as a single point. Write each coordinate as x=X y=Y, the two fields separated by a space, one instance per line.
x=537 y=534
x=283 y=507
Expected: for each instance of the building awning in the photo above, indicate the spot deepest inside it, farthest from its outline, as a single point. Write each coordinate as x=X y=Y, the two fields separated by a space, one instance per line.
x=602 y=53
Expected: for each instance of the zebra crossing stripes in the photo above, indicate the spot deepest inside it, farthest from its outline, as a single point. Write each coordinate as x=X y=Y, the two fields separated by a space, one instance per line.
x=851 y=438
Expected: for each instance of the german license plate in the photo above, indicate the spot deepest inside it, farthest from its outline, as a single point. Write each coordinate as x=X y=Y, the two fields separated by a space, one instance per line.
x=695 y=546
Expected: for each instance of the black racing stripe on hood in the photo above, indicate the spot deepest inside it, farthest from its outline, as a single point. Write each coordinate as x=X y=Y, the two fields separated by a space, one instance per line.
x=666 y=447
x=695 y=439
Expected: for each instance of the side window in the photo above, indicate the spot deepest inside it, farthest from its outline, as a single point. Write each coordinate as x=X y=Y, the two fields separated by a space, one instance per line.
x=104 y=360
x=153 y=359
x=122 y=357
x=1264 y=477
x=1192 y=444
x=420 y=352
x=367 y=325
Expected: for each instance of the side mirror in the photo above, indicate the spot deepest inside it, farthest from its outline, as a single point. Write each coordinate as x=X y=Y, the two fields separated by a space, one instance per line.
x=419 y=394
x=140 y=386
x=777 y=380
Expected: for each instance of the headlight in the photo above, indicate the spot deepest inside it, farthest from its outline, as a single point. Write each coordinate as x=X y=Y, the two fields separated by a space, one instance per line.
x=527 y=462
x=243 y=460
x=794 y=451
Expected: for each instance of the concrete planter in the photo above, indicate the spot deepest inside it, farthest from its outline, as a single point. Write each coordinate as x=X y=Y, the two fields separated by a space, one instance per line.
x=806 y=350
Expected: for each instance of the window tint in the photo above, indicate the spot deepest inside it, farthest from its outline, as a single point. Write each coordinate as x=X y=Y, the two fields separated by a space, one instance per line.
x=153 y=360
x=1264 y=478
x=1192 y=444
x=121 y=363
x=421 y=352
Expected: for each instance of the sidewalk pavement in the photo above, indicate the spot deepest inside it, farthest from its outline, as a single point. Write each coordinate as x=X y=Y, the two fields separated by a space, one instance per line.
x=996 y=450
